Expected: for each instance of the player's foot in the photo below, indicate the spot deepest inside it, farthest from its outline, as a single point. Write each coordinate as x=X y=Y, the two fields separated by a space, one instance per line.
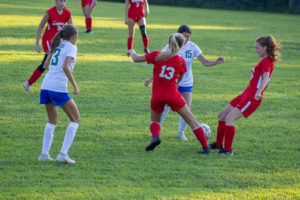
x=156 y=141
x=223 y=152
x=26 y=86
x=213 y=146
x=181 y=136
x=146 y=51
x=65 y=158
x=44 y=157
x=88 y=31
x=204 y=150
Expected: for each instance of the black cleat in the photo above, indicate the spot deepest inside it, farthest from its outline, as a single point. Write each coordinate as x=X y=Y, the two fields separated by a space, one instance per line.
x=223 y=152
x=146 y=51
x=213 y=146
x=88 y=31
x=156 y=141
x=204 y=150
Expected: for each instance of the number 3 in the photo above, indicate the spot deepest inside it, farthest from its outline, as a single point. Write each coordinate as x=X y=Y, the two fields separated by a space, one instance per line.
x=169 y=72
x=54 y=59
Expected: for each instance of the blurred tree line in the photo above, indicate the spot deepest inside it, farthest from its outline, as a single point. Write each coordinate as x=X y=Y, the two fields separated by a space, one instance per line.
x=286 y=6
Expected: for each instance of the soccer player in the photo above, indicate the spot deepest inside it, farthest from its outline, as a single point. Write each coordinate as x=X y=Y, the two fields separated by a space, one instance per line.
x=87 y=8
x=168 y=68
x=54 y=92
x=246 y=103
x=56 y=17
x=135 y=12
x=188 y=52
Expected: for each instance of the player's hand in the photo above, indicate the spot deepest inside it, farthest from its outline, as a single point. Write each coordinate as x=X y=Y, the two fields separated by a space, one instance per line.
x=146 y=13
x=126 y=21
x=76 y=91
x=37 y=48
x=147 y=82
x=130 y=51
x=220 y=60
x=257 y=96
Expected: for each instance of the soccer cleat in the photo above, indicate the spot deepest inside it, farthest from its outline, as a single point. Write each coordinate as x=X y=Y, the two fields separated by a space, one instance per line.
x=26 y=86
x=146 y=51
x=223 y=152
x=204 y=150
x=44 y=157
x=182 y=136
x=65 y=158
x=156 y=141
x=213 y=146
x=88 y=32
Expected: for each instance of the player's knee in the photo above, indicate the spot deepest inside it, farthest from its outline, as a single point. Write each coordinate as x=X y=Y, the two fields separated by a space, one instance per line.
x=76 y=119
x=221 y=116
x=41 y=68
x=143 y=30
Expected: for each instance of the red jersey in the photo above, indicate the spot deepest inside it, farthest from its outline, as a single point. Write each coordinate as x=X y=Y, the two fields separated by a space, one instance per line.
x=136 y=7
x=55 y=22
x=165 y=75
x=265 y=65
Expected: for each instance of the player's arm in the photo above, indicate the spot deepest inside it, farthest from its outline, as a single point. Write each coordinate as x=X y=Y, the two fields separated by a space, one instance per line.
x=70 y=21
x=39 y=32
x=47 y=62
x=208 y=63
x=264 y=82
x=135 y=57
x=146 y=8
x=179 y=78
x=126 y=10
x=69 y=74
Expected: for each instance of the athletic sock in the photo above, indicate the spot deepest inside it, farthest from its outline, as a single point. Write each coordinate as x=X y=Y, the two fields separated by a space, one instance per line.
x=182 y=125
x=229 y=135
x=48 y=138
x=155 y=129
x=130 y=43
x=164 y=115
x=88 y=23
x=69 y=137
x=146 y=42
x=35 y=76
x=199 y=133
x=220 y=134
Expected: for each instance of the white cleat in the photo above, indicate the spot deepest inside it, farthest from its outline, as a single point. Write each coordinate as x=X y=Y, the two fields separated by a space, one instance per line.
x=65 y=158
x=182 y=136
x=26 y=86
x=44 y=157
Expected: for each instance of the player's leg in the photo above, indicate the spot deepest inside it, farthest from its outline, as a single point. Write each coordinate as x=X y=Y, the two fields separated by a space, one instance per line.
x=155 y=130
x=87 y=10
x=164 y=114
x=182 y=124
x=70 y=108
x=131 y=23
x=36 y=74
x=142 y=25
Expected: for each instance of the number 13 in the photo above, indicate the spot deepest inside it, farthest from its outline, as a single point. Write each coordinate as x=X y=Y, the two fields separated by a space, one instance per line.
x=169 y=72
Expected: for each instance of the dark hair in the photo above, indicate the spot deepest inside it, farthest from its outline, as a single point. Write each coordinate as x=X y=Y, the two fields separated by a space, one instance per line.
x=66 y=33
x=273 y=47
x=184 y=28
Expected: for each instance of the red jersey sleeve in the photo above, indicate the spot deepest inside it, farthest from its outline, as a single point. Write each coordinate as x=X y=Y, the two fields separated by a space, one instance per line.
x=266 y=64
x=151 y=56
x=68 y=14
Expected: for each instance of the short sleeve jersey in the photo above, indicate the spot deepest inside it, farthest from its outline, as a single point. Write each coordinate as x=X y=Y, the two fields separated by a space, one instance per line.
x=189 y=51
x=165 y=75
x=136 y=7
x=56 y=79
x=265 y=65
x=55 y=22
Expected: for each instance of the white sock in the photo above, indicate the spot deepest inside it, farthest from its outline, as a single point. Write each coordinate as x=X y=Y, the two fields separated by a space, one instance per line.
x=164 y=115
x=69 y=137
x=48 y=138
x=182 y=125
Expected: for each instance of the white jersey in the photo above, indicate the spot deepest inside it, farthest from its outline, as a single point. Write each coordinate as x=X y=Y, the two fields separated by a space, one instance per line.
x=188 y=52
x=56 y=79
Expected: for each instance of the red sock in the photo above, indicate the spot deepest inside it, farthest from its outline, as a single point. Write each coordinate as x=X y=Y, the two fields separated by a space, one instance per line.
x=88 y=23
x=35 y=76
x=130 y=43
x=155 y=129
x=146 y=42
x=220 y=133
x=199 y=133
x=229 y=135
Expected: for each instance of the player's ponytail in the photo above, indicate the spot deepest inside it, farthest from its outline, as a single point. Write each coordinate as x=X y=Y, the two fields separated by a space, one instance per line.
x=66 y=34
x=176 y=41
x=273 y=47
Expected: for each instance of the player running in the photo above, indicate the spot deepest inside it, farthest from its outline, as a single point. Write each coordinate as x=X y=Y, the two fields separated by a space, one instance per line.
x=56 y=17
x=247 y=102
x=168 y=68
x=135 y=12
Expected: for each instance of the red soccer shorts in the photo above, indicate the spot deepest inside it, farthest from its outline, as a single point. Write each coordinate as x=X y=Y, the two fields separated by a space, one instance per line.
x=158 y=105
x=136 y=17
x=46 y=45
x=91 y=3
x=247 y=105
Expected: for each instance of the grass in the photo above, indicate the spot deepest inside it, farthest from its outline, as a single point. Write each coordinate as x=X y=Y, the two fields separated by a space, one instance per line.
x=114 y=106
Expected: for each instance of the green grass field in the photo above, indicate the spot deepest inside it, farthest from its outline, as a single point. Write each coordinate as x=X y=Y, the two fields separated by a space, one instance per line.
x=115 y=110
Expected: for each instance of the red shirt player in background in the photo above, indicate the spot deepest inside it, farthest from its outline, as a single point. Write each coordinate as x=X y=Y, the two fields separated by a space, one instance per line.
x=56 y=17
x=134 y=13
x=167 y=72
x=87 y=8
x=247 y=102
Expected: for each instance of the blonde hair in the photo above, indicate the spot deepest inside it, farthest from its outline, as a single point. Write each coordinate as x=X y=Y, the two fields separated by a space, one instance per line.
x=176 y=41
x=273 y=47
